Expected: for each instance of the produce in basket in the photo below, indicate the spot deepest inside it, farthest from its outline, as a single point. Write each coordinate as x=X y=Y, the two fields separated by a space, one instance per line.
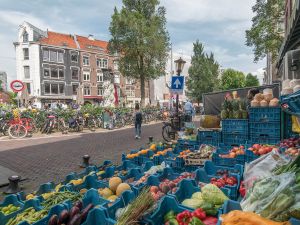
x=6 y=210
x=258 y=149
x=237 y=217
x=30 y=215
x=234 y=152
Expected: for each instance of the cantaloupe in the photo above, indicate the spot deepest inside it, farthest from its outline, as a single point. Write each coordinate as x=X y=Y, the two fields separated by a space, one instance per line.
x=114 y=183
x=105 y=193
x=112 y=198
x=121 y=188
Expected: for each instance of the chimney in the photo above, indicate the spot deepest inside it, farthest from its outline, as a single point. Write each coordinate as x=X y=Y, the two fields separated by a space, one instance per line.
x=91 y=37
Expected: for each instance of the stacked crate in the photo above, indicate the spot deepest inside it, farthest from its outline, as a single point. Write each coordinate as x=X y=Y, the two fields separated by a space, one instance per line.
x=209 y=137
x=235 y=131
x=265 y=125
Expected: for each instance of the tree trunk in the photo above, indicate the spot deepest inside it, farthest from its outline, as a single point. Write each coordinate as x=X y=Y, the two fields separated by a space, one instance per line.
x=142 y=91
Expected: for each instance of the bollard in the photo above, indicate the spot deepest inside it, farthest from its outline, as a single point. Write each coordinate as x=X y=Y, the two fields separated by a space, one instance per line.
x=85 y=161
x=13 y=185
x=150 y=139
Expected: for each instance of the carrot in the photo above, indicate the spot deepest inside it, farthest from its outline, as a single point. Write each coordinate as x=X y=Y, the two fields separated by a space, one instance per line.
x=237 y=217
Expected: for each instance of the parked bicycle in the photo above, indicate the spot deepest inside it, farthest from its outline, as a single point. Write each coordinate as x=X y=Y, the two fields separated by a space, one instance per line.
x=53 y=122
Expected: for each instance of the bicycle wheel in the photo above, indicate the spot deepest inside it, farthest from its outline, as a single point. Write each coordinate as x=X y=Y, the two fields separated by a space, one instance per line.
x=167 y=132
x=17 y=131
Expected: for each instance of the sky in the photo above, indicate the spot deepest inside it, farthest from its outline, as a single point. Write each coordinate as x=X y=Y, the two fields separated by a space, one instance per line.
x=219 y=24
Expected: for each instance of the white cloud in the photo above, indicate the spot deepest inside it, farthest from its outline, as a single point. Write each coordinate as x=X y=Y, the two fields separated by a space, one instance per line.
x=207 y=10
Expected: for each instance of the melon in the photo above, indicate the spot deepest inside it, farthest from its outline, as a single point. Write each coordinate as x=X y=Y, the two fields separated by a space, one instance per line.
x=105 y=193
x=121 y=188
x=114 y=183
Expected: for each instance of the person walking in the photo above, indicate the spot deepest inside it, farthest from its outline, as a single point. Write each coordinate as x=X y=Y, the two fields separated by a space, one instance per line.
x=138 y=121
x=188 y=111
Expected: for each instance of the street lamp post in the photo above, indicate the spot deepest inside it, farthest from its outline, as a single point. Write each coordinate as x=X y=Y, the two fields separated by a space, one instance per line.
x=179 y=64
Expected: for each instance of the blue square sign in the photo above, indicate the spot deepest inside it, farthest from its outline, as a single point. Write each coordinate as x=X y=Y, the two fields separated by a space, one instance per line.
x=177 y=84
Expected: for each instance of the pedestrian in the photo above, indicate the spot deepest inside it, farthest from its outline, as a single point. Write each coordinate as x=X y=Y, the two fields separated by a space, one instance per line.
x=188 y=111
x=138 y=121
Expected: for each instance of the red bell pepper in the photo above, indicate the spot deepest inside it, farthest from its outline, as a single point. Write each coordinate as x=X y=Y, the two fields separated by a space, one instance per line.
x=199 y=213
x=184 y=217
x=210 y=220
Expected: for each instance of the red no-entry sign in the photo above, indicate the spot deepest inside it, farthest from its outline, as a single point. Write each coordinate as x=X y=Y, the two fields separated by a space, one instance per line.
x=17 y=85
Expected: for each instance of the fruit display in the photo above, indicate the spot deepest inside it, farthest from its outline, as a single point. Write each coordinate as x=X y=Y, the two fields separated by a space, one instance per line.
x=76 y=215
x=184 y=153
x=234 y=109
x=30 y=215
x=6 y=210
x=224 y=180
x=265 y=99
x=59 y=197
x=114 y=190
x=258 y=149
x=291 y=142
x=197 y=217
x=164 y=152
x=292 y=152
x=235 y=151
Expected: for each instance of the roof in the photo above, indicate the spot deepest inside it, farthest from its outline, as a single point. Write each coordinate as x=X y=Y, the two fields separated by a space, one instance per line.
x=58 y=39
x=91 y=44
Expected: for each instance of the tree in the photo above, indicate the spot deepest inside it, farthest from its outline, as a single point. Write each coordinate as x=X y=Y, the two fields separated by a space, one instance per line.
x=265 y=36
x=203 y=73
x=251 y=80
x=232 y=79
x=1 y=89
x=139 y=34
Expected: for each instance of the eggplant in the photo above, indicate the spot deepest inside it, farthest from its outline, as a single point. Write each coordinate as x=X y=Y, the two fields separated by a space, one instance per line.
x=79 y=204
x=53 y=220
x=75 y=220
x=64 y=217
x=86 y=211
x=74 y=211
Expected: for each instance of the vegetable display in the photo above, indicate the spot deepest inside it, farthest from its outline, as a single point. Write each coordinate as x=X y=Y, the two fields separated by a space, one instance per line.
x=235 y=151
x=258 y=149
x=30 y=215
x=59 y=197
x=6 y=210
x=224 y=180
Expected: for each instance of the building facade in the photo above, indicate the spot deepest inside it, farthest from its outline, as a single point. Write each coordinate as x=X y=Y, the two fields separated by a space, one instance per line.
x=3 y=79
x=55 y=65
x=289 y=55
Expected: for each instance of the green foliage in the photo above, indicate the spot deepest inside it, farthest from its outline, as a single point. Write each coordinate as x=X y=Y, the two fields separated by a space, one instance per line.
x=13 y=98
x=232 y=79
x=139 y=34
x=264 y=35
x=251 y=80
x=1 y=89
x=203 y=73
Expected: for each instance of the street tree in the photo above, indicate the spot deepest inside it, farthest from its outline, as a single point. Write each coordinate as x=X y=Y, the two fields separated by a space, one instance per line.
x=1 y=89
x=203 y=73
x=251 y=80
x=139 y=34
x=265 y=34
x=232 y=79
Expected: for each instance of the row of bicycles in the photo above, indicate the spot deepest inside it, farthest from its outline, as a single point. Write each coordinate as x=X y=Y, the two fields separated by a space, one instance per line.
x=20 y=125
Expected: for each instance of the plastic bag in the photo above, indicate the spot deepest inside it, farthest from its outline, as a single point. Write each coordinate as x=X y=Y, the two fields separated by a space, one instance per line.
x=295 y=124
x=209 y=121
x=267 y=194
x=262 y=167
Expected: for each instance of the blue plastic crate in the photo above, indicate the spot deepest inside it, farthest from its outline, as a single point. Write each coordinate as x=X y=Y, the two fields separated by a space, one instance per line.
x=167 y=204
x=211 y=169
x=235 y=139
x=228 y=162
x=210 y=137
x=265 y=139
x=259 y=128
x=264 y=114
x=186 y=189
x=235 y=126
x=250 y=156
x=98 y=216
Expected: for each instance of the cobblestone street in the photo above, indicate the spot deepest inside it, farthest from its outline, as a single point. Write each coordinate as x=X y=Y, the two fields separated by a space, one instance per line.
x=50 y=159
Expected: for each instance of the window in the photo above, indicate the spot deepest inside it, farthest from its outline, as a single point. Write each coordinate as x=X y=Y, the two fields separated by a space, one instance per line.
x=100 y=90
x=99 y=76
x=25 y=37
x=129 y=81
x=61 y=73
x=54 y=88
x=130 y=92
x=86 y=76
x=75 y=74
x=86 y=61
x=54 y=73
x=116 y=65
x=87 y=90
x=74 y=57
x=46 y=55
x=46 y=72
x=27 y=72
x=53 y=56
x=60 y=57
x=102 y=63
x=28 y=88
x=26 y=53
x=75 y=88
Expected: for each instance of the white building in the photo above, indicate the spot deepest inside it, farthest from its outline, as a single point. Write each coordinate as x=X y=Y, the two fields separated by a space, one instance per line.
x=28 y=57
